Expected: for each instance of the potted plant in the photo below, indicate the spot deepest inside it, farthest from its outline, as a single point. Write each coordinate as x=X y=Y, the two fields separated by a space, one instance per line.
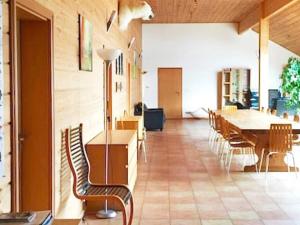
x=291 y=82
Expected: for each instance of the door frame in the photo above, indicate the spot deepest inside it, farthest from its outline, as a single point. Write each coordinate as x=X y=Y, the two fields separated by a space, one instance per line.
x=129 y=86
x=158 y=94
x=40 y=11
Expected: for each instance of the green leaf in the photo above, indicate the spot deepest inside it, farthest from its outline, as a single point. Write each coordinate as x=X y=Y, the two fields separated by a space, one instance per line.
x=291 y=81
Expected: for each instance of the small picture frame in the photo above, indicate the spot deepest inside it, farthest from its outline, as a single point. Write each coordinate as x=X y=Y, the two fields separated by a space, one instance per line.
x=119 y=86
x=85 y=44
x=119 y=65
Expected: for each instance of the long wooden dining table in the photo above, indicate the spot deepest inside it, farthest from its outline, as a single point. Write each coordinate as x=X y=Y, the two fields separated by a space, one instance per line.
x=255 y=126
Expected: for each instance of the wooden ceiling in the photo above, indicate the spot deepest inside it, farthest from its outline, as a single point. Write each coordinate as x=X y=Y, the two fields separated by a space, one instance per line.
x=285 y=28
x=200 y=11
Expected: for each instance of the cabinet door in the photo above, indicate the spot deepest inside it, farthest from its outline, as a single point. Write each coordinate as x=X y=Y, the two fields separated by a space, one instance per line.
x=119 y=164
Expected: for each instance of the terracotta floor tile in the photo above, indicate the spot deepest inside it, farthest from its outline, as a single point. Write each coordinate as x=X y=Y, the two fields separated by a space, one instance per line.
x=216 y=222
x=183 y=211
x=182 y=197
x=236 y=204
x=265 y=207
x=212 y=211
x=247 y=222
x=273 y=215
x=243 y=215
x=161 y=197
x=185 y=222
x=279 y=222
x=292 y=210
x=180 y=186
x=228 y=191
x=156 y=211
x=154 y=222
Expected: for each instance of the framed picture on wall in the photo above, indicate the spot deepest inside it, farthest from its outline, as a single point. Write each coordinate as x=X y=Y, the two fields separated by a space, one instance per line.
x=134 y=65
x=85 y=44
x=119 y=65
x=122 y=64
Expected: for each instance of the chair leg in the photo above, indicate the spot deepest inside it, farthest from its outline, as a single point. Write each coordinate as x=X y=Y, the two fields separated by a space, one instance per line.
x=83 y=218
x=244 y=155
x=227 y=155
x=124 y=214
x=219 y=144
x=212 y=139
x=261 y=159
x=209 y=135
x=212 y=134
x=294 y=162
x=267 y=164
x=221 y=149
x=216 y=141
x=131 y=211
x=253 y=158
x=144 y=150
x=230 y=159
x=288 y=163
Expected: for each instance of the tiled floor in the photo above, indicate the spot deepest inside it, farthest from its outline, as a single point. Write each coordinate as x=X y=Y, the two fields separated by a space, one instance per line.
x=183 y=183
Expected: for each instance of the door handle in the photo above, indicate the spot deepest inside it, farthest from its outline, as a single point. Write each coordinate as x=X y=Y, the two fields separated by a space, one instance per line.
x=21 y=138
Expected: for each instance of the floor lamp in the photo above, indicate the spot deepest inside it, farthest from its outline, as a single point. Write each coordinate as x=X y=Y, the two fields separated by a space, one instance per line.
x=108 y=55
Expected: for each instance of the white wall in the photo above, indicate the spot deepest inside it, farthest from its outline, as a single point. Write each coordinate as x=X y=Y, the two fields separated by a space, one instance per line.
x=202 y=50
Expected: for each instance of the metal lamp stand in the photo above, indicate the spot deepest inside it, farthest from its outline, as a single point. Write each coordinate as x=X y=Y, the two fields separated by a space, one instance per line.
x=112 y=54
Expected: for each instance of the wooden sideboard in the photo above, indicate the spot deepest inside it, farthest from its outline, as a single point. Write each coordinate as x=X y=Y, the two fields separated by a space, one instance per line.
x=122 y=160
x=132 y=123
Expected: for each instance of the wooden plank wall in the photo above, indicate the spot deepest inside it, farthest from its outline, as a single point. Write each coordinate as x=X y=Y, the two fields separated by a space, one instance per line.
x=5 y=186
x=78 y=95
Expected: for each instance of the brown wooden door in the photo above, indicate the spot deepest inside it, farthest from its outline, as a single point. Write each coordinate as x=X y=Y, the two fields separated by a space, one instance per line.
x=35 y=115
x=170 y=91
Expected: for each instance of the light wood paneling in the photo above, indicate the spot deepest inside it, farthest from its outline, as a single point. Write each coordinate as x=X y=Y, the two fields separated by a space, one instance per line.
x=266 y=10
x=78 y=95
x=200 y=11
x=5 y=186
x=285 y=28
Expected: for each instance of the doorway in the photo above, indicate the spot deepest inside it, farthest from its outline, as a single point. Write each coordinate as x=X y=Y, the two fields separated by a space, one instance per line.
x=129 y=88
x=170 y=92
x=33 y=105
x=109 y=94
